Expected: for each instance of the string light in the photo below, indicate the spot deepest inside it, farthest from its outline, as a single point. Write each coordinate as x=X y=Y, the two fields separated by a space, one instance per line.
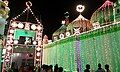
x=20 y=25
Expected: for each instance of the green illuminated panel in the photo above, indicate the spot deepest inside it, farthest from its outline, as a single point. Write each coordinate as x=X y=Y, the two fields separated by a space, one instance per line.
x=21 y=32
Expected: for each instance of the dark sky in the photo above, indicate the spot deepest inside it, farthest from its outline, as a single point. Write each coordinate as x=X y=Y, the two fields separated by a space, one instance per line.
x=51 y=12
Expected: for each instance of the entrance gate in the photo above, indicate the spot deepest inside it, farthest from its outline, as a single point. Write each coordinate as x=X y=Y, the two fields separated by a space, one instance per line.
x=23 y=37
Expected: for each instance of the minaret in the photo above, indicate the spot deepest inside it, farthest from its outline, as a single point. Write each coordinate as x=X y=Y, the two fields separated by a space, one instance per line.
x=117 y=11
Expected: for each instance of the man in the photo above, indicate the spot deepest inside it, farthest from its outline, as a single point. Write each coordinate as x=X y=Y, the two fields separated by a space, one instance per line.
x=100 y=69
x=87 y=68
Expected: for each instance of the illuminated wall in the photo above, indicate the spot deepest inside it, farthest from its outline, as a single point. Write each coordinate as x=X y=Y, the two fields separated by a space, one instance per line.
x=97 y=46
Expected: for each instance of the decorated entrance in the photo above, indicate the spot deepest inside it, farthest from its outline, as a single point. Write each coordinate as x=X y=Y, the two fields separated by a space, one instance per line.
x=23 y=42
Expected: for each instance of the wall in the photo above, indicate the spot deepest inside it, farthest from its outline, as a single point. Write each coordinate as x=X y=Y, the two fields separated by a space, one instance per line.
x=96 y=46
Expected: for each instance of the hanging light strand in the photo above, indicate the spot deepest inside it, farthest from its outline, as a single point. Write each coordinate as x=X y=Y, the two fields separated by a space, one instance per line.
x=19 y=15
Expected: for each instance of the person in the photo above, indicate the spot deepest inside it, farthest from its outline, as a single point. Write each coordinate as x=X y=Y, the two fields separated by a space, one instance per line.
x=87 y=68
x=60 y=69
x=100 y=69
x=56 y=68
x=107 y=68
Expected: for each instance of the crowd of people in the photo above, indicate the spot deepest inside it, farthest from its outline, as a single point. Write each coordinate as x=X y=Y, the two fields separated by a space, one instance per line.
x=43 y=68
x=100 y=69
x=56 y=68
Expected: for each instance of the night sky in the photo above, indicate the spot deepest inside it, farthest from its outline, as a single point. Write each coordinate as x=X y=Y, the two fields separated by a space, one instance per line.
x=51 y=12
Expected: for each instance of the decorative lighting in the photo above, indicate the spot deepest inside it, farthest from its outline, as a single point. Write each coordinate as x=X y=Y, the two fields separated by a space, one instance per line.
x=77 y=31
x=11 y=31
x=6 y=2
x=39 y=27
x=67 y=34
x=27 y=26
x=80 y=8
x=9 y=48
x=8 y=41
x=28 y=4
x=38 y=54
x=14 y=24
x=7 y=60
x=61 y=36
x=20 y=25
x=38 y=48
x=33 y=27
x=63 y=22
x=37 y=59
x=34 y=42
x=11 y=36
x=15 y=41
x=39 y=33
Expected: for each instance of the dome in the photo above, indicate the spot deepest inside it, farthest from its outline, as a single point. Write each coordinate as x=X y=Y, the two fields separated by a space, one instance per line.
x=106 y=4
x=80 y=22
x=104 y=14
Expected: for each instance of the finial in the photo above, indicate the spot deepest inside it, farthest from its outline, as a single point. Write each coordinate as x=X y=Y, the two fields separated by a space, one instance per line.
x=28 y=4
x=80 y=8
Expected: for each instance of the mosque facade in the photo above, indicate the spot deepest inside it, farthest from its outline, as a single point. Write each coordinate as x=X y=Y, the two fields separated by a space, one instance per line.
x=84 y=41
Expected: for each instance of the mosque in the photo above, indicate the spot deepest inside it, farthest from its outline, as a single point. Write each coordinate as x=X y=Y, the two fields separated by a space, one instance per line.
x=73 y=45
x=84 y=41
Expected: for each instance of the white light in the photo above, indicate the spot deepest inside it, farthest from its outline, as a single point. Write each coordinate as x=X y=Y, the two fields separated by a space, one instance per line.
x=61 y=36
x=6 y=2
x=18 y=54
x=11 y=40
x=39 y=33
x=63 y=22
x=11 y=36
x=11 y=31
x=34 y=42
x=4 y=51
x=33 y=27
x=39 y=27
x=14 y=24
x=38 y=49
x=8 y=41
x=38 y=53
x=15 y=41
x=9 y=48
x=37 y=59
x=67 y=34
x=20 y=25
x=7 y=60
x=80 y=8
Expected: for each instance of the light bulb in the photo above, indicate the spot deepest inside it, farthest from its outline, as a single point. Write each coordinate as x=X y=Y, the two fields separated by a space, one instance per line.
x=15 y=41
x=38 y=54
x=38 y=48
x=9 y=48
x=33 y=27
x=14 y=24
x=39 y=27
x=20 y=25
x=11 y=31
x=34 y=42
